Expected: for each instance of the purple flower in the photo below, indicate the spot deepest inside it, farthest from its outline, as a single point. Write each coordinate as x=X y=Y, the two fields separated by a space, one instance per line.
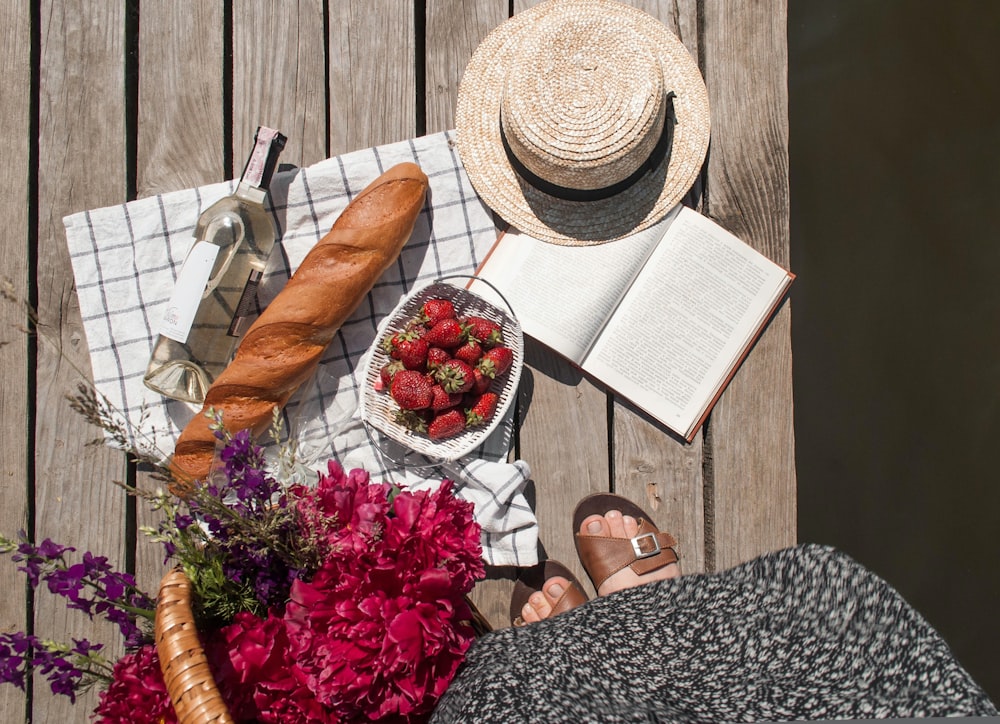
x=14 y=652
x=83 y=647
x=90 y=586
x=248 y=530
x=63 y=676
x=245 y=471
x=58 y=664
x=36 y=558
x=125 y=622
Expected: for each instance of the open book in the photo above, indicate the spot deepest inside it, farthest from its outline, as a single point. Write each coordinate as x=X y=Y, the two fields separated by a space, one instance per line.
x=664 y=317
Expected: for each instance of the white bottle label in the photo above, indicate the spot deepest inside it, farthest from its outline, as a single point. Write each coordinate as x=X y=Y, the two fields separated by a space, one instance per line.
x=188 y=290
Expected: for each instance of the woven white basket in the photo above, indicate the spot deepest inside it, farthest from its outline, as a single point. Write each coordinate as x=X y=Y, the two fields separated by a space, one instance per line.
x=378 y=409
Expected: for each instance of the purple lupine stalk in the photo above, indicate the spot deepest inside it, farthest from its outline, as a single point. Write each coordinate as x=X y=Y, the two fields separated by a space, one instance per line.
x=64 y=667
x=91 y=585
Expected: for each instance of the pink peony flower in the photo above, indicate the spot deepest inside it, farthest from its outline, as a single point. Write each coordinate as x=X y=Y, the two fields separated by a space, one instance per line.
x=345 y=512
x=256 y=676
x=137 y=695
x=381 y=635
x=436 y=529
x=373 y=654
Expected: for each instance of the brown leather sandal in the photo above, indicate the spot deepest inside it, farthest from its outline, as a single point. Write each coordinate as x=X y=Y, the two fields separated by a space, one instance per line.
x=603 y=556
x=534 y=578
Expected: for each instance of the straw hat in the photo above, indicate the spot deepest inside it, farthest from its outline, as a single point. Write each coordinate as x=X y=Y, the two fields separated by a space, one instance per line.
x=582 y=121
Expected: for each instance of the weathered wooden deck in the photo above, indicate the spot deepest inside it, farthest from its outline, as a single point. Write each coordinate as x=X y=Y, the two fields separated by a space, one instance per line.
x=108 y=100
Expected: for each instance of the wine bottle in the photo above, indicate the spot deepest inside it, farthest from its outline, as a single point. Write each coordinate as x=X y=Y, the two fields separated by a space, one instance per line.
x=216 y=288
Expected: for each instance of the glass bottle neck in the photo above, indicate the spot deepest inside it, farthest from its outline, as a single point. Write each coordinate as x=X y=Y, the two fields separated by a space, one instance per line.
x=250 y=193
x=256 y=177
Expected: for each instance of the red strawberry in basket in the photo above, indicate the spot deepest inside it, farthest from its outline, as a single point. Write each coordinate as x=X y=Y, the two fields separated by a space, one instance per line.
x=411 y=390
x=447 y=424
x=436 y=357
x=470 y=352
x=448 y=334
x=481 y=382
x=485 y=330
x=496 y=361
x=413 y=353
x=387 y=372
x=442 y=400
x=434 y=310
x=392 y=342
x=482 y=409
x=415 y=420
x=455 y=376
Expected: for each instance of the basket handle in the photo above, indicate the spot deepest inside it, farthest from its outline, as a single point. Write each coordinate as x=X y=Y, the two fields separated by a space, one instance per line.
x=193 y=692
x=487 y=282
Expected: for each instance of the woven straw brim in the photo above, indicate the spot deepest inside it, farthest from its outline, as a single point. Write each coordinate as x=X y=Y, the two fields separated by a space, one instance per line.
x=553 y=219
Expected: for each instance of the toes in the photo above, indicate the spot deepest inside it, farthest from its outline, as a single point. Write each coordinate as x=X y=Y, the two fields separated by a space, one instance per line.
x=595 y=525
x=612 y=523
x=631 y=526
x=537 y=608
x=541 y=603
x=528 y=614
x=616 y=523
x=554 y=589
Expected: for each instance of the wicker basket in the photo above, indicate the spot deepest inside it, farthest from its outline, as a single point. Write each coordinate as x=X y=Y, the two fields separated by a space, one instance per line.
x=190 y=684
x=189 y=680
x=378 y=409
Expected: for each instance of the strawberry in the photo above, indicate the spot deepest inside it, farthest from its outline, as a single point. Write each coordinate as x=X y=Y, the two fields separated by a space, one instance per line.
x=413 y=353
x=470 y=352
x=482 y=409
x=496 y=361
x=434 y=310
x=436 y=356
x=481 y=382
x=411 y=390
x=388 y=371
x=447 y=424
x=455 y=376
x=415 y=420
x=448 y=333
x=442 y=400
x=392 y=342
x=485 y=330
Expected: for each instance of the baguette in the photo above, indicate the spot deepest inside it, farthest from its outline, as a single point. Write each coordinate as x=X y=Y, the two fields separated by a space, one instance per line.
x=282 y=348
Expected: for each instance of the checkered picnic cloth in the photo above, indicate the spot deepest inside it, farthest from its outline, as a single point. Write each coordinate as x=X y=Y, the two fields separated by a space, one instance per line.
x=125 y=259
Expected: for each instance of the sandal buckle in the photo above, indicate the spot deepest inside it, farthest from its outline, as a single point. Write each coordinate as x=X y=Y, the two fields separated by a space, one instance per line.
x=637 y=546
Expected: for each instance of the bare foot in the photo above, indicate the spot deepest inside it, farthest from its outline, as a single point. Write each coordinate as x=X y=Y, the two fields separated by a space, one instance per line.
x=539 y=605
x=616 y=525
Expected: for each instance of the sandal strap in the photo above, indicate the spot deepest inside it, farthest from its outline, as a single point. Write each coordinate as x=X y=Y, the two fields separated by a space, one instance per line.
x=603 y=556
x=572 y=597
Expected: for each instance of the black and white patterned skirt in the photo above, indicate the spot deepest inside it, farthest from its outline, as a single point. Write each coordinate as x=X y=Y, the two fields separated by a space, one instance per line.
x=804 y=633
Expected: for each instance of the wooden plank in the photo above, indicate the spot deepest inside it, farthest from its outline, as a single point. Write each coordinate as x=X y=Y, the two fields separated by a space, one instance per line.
x=279 y=77
x=372 y=97
x=454 y=30
x=81 y=166
x=652 y=467
x=565 y=437
x=751 y=449
x=180 y=142
x=15 y=119
x=180 y=124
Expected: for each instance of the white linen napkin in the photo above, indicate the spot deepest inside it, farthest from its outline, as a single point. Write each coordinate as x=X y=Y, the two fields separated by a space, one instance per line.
x=125 y=259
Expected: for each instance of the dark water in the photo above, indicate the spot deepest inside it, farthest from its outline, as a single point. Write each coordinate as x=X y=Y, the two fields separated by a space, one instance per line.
x=895 y=176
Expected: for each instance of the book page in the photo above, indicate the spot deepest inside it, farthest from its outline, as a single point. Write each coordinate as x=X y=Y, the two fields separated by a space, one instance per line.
x=563 y=295
x=701 y=299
